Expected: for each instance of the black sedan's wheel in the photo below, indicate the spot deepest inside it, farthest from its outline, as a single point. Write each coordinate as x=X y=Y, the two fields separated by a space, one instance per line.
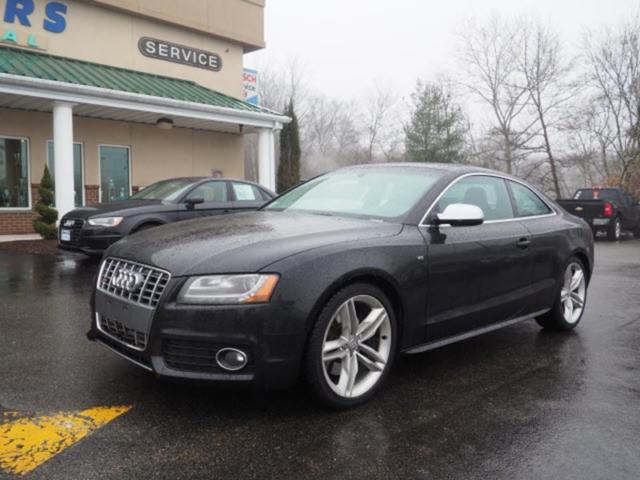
x=352 y=346
x=569 y=306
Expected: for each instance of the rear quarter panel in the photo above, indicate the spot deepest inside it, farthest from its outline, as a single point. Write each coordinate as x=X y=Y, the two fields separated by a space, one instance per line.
x=554 y=240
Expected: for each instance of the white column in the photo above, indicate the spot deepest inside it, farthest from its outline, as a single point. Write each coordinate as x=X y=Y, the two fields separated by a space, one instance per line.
x=63 y=154
x=266 y=158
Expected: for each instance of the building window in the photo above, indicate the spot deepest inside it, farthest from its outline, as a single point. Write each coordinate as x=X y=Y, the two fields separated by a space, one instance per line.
x=115 y=167
x=78 y=170
x=14 y=173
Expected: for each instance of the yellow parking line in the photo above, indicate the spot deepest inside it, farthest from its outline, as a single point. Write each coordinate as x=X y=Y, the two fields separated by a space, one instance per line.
x=27 y=443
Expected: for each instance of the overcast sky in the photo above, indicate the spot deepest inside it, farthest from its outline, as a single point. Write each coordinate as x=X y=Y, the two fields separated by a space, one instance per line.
x=348 y=45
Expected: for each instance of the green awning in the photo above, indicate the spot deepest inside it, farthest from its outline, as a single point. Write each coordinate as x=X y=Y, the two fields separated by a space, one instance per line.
x=34 y=64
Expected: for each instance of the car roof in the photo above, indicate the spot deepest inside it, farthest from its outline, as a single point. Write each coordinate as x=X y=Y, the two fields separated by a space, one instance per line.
x=220 y=179
x=450 y=168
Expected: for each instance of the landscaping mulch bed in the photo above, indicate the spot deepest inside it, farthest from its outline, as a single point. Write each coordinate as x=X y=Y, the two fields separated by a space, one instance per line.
x=36 y=247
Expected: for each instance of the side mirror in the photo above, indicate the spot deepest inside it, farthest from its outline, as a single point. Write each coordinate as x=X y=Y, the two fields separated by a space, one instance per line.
x=461 y=215
x=192 y=202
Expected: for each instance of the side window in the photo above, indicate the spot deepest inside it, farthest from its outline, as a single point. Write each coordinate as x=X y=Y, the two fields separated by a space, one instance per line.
x=528 y=204
x=490 y=194
x=246 y=193
x=210 y=191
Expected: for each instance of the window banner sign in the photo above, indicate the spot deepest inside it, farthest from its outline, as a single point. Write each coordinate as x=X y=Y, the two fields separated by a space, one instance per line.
x=250 y=84
x=173 y=52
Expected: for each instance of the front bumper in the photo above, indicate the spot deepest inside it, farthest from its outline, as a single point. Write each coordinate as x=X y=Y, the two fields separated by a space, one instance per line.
x=183 y=340
x=87 y=239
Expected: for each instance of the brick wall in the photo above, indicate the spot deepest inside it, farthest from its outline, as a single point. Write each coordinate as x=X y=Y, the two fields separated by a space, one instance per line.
x=17 y=223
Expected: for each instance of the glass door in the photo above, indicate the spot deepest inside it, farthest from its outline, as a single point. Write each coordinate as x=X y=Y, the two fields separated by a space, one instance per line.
x=115 y=167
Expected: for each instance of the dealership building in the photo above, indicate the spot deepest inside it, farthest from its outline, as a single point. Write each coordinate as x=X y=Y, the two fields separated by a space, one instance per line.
x=114 y=95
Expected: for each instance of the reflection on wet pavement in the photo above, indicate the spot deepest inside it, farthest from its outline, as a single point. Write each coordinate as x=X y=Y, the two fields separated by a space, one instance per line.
x=517 y=403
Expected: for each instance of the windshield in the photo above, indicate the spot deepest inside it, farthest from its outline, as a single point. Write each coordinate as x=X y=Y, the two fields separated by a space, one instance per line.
x=375 y=192
x=164 y=190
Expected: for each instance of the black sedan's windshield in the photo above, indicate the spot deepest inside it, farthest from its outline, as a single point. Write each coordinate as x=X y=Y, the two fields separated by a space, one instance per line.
x=375 y=192
x=165 y=190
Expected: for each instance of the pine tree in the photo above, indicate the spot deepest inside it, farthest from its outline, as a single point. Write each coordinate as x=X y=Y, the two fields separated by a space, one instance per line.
x=45 y=225
x=289 y=167
x=436 y=131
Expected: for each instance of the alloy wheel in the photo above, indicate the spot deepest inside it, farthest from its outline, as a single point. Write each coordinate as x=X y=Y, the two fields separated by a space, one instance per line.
x=573 y=293
x=618 y=229
x=357 y=345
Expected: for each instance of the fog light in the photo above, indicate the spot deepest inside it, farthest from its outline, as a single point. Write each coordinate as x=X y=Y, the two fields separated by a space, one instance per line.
x=231 y=359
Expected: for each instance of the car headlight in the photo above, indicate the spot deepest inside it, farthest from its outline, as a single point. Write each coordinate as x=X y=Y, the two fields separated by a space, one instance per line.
x=228 y=289
x=105 y=221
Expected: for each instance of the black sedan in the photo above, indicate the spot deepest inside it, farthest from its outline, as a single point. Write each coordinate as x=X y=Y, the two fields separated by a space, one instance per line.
x=336 y=277
x=93 y=228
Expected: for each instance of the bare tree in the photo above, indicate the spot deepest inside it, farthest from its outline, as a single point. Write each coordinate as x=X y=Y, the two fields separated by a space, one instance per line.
x=614 y=62
x=281 y=83
x=331 y=137
x=490 y=56
x=545 y=74
x=588 y=136
x=378 y=110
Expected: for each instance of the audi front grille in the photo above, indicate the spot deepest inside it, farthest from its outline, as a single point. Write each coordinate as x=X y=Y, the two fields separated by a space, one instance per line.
x=148 y=293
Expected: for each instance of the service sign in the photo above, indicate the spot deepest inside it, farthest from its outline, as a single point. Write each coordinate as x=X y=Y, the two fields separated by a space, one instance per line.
x=173 y=52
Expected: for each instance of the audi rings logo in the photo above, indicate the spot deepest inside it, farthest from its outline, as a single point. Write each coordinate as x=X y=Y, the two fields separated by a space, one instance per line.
x=127 y=280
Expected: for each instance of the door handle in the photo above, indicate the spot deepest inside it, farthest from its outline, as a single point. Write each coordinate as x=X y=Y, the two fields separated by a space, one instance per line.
x=523 y=243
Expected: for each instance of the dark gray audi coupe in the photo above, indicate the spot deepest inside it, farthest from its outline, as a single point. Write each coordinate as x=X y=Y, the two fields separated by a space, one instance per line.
x=336 y=277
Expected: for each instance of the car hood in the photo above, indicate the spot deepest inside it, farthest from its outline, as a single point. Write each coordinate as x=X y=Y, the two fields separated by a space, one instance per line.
x=243 y=242
x=121 y=207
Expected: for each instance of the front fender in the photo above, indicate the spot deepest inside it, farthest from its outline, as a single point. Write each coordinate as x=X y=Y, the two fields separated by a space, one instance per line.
x=310 y=278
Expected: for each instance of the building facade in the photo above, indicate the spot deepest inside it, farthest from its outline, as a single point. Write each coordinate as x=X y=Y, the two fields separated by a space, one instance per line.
x=116 y=94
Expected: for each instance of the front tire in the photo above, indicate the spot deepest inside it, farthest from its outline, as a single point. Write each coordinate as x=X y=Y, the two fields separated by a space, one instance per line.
x=352 y=346
x=571 y=300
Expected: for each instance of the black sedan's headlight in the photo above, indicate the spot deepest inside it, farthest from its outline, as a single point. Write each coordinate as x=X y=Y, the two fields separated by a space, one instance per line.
x=228 y=289
x=105 y=221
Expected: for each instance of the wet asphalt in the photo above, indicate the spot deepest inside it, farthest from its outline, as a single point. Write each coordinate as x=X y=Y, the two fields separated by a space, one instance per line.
x=516 y=403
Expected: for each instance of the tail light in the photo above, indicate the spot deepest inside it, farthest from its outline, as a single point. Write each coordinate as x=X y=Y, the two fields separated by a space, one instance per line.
x=608 y=210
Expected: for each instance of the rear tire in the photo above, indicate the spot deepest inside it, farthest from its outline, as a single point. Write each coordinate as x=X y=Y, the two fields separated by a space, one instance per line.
x=615 y=230
x=351 y=347
x=571 y=299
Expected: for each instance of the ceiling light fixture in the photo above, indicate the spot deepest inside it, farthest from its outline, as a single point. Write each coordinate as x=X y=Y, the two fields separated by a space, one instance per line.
x=164 y=123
